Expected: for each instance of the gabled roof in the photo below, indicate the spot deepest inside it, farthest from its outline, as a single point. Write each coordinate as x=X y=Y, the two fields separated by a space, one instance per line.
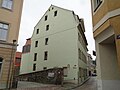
x=49 y=8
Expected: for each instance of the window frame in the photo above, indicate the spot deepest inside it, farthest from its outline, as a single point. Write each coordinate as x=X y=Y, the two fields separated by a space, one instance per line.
x=44 y=68
x=2 y=29
x=96 y=4
x=7 y=5
x=26 y=48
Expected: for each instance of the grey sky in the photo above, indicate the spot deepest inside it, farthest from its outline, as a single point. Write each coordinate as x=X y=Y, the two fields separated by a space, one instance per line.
x=34 y=9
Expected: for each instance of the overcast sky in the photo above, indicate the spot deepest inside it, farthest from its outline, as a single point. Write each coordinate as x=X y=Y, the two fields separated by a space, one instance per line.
x=33 y=10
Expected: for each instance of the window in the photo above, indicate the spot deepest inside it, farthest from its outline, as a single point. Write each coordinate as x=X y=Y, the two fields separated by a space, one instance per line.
x=7 y=4
x=34 y=67
x=55 y=13
x=52 y=8
x=3 y=31
x=46 y=17
x=47 y=27
x=35 y=56
x=26 y=49
x=44 y=68
x=79 y=53
x=37 y=31
x=46 y=41
x=96 y=4
x=36 y=43
x=65 y=70
x=1 y=60
x=45 y=55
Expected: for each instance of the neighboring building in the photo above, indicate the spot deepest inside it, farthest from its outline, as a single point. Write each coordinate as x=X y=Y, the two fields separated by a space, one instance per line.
x=17 y=63
x=16 y=68
x=59 y=41
x=25 y=62
x=10 y=16
x=91 y=64
x=106 y=25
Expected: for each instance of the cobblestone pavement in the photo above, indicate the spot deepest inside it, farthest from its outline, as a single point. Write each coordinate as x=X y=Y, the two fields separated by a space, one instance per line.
x=91 y=84
x=22 y=85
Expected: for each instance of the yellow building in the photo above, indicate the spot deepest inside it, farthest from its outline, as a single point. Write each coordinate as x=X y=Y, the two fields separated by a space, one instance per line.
x=106 y=30
x=10 y=15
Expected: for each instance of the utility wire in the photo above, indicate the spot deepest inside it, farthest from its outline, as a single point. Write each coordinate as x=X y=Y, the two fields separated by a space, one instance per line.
x=56 y=32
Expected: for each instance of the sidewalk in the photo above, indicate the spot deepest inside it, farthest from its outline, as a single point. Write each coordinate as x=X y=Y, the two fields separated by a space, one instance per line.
x=23 y=85
x=70 y=86
x=91 y=84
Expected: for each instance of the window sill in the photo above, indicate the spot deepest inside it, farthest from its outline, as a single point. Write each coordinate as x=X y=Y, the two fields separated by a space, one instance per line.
x=7 y=9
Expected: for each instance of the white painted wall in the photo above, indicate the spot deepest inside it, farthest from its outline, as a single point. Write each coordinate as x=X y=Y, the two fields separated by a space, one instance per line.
x=107 y=65
x=62 y=44
x=25 y=62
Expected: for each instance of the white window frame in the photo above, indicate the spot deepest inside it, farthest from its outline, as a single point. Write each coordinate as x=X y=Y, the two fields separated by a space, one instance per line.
x=97 y=5
x=8 y=4
x=4 y=27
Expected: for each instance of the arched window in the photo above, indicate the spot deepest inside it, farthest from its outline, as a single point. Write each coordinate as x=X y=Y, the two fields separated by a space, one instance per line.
x=1 y=61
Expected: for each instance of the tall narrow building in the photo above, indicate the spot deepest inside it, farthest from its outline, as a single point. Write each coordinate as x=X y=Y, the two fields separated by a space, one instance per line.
x=59 y=41
x=106 y=30
x=10 y=16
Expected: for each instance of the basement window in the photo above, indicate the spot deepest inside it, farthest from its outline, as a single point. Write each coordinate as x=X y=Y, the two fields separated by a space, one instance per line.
x=44 y=68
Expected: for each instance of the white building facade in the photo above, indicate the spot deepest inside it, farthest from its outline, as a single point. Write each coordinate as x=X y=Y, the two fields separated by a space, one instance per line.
x=58 y=40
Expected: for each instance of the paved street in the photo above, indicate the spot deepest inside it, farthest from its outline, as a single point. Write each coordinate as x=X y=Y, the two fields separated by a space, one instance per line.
x=91 y=84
